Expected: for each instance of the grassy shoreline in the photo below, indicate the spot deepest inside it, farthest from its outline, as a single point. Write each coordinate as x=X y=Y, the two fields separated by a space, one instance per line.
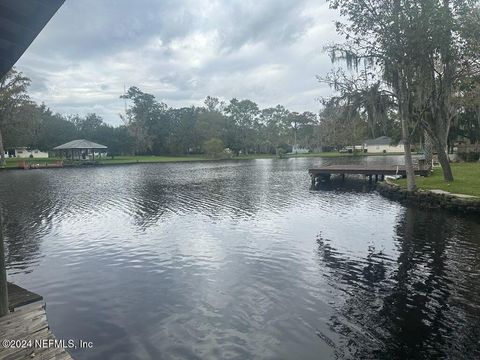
x=466 y=175
x=12 y=163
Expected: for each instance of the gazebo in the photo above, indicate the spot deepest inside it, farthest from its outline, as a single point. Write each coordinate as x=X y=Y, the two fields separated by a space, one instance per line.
x=79 y=149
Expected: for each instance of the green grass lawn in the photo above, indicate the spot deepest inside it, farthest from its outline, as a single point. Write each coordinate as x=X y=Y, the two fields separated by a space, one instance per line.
x=117 y=160
x=153 y=159
x=286 y=156
x=466 y=180
x=337 y=154
x=150 y=159
x=331 y=154
x=322 y=154
x=13 y=162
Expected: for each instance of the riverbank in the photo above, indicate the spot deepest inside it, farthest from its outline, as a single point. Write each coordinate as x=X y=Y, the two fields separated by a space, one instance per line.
x=462 y=195
x=12 y=163
x=466 y=175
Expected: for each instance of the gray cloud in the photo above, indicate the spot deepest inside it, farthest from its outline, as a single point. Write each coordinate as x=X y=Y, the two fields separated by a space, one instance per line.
x=181 y=51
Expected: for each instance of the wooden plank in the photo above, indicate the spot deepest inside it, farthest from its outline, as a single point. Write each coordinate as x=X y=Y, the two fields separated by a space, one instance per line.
x=22 y=326
x=12 y=354
x=28 y=322
x=45 y=353
x=22 y=311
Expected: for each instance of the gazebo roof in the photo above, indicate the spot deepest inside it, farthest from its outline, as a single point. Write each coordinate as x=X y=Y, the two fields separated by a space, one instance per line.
x=80 y=144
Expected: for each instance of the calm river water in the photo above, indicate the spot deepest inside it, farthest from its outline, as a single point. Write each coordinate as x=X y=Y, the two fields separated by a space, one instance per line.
x=240 y=260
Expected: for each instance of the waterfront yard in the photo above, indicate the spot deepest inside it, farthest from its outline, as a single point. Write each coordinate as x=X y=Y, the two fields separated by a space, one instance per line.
x=132 y=159
x=466 y=175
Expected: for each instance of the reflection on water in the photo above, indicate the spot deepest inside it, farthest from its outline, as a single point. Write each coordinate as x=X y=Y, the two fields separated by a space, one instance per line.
x=419 y=305
x=240 y=260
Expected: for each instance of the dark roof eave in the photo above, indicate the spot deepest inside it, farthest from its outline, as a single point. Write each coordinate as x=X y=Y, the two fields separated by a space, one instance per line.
x=20 y=23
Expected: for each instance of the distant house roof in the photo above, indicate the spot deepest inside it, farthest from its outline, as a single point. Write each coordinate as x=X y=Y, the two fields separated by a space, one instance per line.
x=382 y=140
x=80 y=144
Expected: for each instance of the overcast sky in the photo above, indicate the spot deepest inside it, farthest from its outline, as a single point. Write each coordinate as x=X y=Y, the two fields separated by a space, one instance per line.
x=268 y=51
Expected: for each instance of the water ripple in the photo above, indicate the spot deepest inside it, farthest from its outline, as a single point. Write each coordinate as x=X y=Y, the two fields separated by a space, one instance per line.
x=240 y=260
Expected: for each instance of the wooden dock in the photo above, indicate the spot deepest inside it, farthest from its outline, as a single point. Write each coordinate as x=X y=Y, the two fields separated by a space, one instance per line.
x=31 y=164
x=378 y=171
x=27 y=321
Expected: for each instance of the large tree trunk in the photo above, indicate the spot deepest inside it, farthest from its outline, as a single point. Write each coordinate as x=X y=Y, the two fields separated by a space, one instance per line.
x=443 y=160
x=441 y=99
x=403 y=110
x=438 y=127
x=428 y=148
x=438 y=136
x=411 y=186
x=441 y=136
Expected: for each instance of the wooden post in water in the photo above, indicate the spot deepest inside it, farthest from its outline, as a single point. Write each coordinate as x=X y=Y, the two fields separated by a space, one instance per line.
x=3 y=275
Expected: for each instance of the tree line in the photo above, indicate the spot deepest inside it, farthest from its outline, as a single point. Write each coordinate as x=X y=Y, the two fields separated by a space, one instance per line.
x=151 y=127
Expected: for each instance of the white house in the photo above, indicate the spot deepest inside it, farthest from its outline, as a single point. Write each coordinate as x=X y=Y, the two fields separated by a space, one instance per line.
x=23 y=152
x=383 y=144
x=299 y=150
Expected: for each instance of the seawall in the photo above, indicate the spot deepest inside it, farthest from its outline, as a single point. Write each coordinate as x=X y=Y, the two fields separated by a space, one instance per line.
x=432 y=199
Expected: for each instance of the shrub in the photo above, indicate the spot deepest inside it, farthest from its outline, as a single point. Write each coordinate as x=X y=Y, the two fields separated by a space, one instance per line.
x=214 y=148
x=281 y=153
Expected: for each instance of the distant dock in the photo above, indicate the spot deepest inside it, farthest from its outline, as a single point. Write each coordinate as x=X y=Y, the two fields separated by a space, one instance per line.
x=26 y=322
x=376 y=172
x=39 y=165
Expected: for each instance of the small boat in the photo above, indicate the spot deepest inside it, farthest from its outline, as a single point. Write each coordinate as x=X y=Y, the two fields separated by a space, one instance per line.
x=39 y=165
x=393 y=177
